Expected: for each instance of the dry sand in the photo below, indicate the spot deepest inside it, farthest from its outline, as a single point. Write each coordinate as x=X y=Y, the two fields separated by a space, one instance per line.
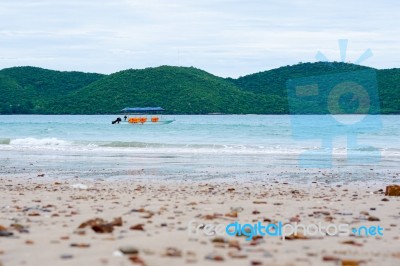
x=44 y=216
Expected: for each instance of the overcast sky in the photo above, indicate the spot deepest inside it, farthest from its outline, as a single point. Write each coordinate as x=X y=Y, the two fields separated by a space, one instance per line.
x=226 y=38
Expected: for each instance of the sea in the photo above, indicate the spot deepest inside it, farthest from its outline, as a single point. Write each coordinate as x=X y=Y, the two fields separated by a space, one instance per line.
x=250 y=147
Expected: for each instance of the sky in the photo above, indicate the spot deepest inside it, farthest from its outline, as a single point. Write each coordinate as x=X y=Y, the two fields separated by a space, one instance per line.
x=226 y=38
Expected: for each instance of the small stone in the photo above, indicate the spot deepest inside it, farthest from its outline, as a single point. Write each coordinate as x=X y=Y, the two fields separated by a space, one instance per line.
x=129 y=250
x=373 y=219
x=218 y=240
x=259 y=202
x=102 y=228
x=137 y=260
x=330 y=258
x=322 y=212
x=257 y=237
x=5 y=233
x=91 y=222
x=352 y=242
x=295 y=219
x=138 y=227
x=210 y=216
x=232 y=214
x=173 y=252
x=350 y=262
x=215 y=257
x=392 y=190
x=66 y=256
x=80 y=245
x=296 y=236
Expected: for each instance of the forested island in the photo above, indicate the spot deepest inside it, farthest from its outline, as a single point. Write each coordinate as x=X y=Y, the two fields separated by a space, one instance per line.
x=180 y=90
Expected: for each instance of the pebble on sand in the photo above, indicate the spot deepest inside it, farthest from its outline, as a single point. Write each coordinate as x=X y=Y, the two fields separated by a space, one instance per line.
x=392 y=190
x=129 y=250
x=4 y=232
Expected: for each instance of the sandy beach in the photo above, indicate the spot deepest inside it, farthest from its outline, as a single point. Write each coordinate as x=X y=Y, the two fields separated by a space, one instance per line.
x=199 y=133
x=81 y=221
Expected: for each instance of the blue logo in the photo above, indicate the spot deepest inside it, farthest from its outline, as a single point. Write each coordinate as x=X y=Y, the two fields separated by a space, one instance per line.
x=335 y=95
x=280 y=229
x=310 y=230
x=368 y=231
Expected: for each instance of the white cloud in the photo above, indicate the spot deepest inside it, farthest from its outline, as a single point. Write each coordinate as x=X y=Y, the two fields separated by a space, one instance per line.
x=228 y=38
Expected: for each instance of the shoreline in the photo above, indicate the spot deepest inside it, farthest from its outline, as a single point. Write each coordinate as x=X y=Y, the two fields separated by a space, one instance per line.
x=52 y=209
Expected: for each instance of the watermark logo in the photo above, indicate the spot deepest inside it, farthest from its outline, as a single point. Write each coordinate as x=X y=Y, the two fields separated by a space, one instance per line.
x=281 y=230
x=348 y=103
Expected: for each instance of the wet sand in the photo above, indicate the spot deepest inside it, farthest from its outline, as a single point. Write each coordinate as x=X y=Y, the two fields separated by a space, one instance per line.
x=52 y=221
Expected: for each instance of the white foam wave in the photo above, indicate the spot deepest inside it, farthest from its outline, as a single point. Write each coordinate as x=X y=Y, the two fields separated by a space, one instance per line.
x=39 y=142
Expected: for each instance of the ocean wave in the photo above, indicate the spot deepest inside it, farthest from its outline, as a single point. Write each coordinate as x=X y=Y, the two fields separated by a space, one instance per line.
x=121 y=146
x=184 y=148
x=39 y=142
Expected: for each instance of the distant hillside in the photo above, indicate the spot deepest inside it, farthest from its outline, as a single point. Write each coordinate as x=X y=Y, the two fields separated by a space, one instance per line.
x=273 y=82
x=389 y=90
x=37 y=90
x=180 y=90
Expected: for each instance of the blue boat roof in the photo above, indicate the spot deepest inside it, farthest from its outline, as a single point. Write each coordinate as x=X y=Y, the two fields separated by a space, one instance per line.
x=142 y=109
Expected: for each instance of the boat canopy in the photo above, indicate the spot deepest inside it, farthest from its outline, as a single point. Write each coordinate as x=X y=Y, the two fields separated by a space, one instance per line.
x=142 y=109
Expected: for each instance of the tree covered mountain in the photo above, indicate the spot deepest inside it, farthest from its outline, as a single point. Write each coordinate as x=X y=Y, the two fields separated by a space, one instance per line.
x=177 y=89
x=180 y=90
x=37 y=90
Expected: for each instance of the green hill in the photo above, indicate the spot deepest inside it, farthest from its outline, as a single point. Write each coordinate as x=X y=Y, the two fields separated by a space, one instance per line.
x=177 y=89
x=180 y=90
x=389 y=90
x=37 y=90
x=273 y=82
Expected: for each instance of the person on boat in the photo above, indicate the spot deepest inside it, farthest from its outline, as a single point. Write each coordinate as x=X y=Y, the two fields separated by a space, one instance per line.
x=116 y=121
x=125 y=117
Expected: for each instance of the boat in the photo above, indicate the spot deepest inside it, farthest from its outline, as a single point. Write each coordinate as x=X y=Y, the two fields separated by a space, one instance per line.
x=144 y=116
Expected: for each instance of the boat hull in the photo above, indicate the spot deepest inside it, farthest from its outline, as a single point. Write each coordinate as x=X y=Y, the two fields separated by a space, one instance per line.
x=160 y=122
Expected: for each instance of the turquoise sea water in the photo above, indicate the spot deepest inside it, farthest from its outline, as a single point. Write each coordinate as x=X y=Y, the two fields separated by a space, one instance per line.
x=192 y=145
